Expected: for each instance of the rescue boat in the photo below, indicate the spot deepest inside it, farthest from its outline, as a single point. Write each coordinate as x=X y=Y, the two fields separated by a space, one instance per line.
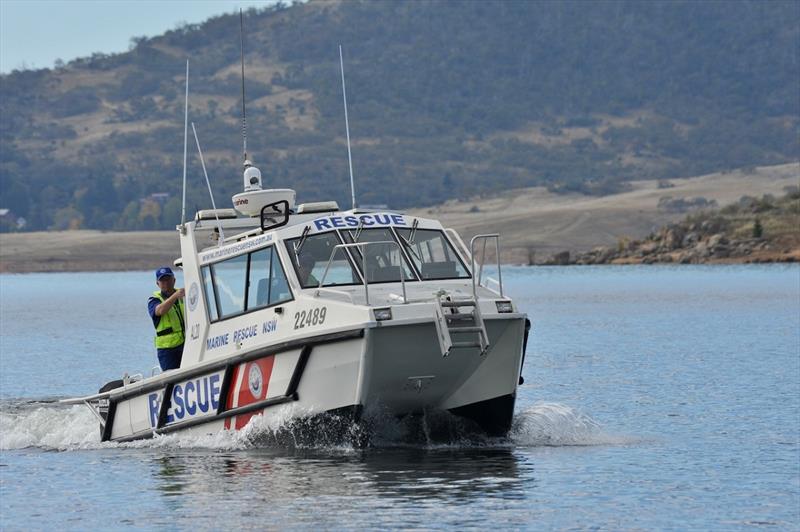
x=336 y=312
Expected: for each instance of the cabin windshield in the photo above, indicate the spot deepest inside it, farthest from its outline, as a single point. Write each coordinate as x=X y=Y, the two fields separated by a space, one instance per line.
x=433 y=255
x=423 y=254
x=310 y=255
x=384 y=261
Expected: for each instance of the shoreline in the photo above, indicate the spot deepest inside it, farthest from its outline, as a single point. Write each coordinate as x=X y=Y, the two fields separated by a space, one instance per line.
x=795 y=259
x=87 y=251
x=97 y=251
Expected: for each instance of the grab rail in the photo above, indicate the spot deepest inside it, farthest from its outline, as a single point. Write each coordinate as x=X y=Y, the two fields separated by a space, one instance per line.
x=363 y=266
x=477 y=278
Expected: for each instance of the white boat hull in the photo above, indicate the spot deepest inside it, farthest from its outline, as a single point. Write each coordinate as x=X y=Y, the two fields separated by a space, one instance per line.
x=396 y=367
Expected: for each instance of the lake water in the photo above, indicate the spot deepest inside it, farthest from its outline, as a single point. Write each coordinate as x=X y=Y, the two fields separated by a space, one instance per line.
x=655 y=398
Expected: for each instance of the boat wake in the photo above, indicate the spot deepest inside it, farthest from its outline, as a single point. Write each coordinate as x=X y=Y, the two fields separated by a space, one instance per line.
x=47 y=425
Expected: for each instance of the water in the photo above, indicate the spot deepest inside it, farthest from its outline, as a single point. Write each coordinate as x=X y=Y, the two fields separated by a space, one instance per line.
x=655 y=398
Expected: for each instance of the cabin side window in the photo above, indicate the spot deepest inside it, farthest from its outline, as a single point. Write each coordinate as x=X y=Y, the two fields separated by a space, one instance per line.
x=245 y=283
x=229 y=282
x=433 y=255
x=267 y=283
x=211 y=300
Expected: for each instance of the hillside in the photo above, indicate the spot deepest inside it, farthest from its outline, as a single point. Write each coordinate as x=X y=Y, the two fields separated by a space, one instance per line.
x=447 y=100
x=536 y=224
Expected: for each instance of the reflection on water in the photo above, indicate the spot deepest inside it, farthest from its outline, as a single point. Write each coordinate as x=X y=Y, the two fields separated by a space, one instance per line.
x=408 y=474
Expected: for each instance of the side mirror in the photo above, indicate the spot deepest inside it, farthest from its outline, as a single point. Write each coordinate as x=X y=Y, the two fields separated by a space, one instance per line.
x=274 y=215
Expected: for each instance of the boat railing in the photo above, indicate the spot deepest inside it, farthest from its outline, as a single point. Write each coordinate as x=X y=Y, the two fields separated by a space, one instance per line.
x=363 y=266
x=476 y=278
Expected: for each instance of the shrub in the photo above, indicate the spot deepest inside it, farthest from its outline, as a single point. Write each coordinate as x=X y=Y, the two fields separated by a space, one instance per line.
x=758 y=229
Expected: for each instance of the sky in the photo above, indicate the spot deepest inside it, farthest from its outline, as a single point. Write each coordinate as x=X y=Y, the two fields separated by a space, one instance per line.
x=34 y=33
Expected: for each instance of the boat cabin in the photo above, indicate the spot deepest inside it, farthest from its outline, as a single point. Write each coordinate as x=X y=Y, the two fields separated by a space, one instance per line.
x=252 y=273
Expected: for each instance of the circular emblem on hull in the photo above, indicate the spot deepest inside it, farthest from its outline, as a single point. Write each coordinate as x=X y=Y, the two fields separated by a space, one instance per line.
x=194 y=294
x=255 y=380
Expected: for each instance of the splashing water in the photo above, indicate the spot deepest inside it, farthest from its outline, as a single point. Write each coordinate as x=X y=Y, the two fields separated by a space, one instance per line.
x=556 y=425
x=50 y=426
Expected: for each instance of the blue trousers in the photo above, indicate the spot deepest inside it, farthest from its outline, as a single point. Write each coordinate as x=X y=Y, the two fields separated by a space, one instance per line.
x=170 y=357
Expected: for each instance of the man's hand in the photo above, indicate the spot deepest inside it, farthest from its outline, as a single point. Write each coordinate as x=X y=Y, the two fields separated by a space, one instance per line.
x=164 y=307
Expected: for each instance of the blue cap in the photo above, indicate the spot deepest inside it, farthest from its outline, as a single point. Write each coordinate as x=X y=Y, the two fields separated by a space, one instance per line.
x=162 y=272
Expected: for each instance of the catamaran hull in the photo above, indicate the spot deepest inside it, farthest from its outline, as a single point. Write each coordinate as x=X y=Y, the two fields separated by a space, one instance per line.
x=406 y=373
x=394 y=368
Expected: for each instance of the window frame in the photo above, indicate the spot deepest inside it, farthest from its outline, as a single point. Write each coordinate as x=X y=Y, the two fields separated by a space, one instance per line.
x=274 y=253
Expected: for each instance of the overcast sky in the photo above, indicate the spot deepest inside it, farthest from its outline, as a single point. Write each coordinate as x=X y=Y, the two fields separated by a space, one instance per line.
x=34 y=33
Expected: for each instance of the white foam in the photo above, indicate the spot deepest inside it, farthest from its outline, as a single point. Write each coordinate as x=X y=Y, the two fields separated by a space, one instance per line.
x=555 y=425
x=55 y=427
x=49 y=427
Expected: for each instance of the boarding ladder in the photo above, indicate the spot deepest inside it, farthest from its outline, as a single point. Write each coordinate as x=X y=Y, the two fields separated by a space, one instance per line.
x=450 y=319
x=454 y=318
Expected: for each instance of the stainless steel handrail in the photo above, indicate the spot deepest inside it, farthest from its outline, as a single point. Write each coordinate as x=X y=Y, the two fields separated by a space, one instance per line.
x=477 y=278
x=364 y=266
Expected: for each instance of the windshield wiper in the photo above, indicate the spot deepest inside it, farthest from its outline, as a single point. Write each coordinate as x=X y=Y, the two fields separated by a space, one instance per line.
x=298 y=246
x=358 y=231
x=408 y=246
x=413 y=233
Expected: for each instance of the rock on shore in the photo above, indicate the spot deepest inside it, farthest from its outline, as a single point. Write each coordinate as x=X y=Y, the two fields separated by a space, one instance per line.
x=752 y=230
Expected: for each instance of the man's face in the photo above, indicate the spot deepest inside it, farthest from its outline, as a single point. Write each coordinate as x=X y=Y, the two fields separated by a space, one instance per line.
x=166 y=283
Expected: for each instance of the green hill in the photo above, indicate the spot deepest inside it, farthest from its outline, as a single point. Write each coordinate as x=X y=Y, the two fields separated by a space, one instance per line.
x=447 y=99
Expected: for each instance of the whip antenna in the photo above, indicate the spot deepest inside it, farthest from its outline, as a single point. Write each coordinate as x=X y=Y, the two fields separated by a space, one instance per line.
x=347 y=128
x=185 y=137
x=208 y=183
x=244 y=115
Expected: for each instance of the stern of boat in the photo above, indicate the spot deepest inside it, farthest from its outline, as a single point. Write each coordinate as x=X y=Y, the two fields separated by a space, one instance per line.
x=406 y=370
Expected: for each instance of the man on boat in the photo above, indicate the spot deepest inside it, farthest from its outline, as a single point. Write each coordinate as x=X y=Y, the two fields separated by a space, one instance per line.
x=166 y=309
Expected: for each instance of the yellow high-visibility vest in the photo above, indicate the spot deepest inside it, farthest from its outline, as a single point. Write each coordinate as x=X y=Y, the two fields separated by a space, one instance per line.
x=170 y=331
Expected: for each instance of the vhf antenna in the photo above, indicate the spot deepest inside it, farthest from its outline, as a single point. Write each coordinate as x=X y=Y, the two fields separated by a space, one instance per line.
x=208 y=184
x=185 y=136
x=244 y=115
x=347 y=128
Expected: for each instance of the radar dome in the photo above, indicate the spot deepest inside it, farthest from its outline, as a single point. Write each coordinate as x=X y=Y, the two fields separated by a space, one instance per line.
x=252 y=178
